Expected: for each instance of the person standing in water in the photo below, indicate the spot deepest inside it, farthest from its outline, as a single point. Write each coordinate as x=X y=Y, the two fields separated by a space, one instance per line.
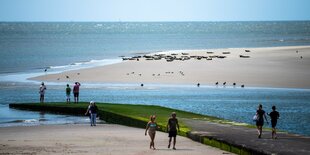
x=42 y=92
x=151 y=128
x=274 y=116
x=172 y=129
x=68 y=92
x=76 y=91
x=260 y=113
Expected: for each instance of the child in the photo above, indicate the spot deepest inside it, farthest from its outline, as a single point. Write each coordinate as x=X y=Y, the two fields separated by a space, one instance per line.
x=68 y=92
x=274 y=116
x=151 y=127
x=172 y=128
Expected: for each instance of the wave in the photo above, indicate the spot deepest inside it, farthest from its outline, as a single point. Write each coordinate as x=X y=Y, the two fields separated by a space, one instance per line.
x=86 y=64
x=300 y=40
x=24 y=76
x=26 y=121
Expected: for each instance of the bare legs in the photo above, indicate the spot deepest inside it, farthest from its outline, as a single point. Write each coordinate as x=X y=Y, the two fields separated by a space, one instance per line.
x=152 y=144
x=259 y=130
x=174 y=141
x=274 y=133
x=68 y=100
x=41 y=98
x=76 y=99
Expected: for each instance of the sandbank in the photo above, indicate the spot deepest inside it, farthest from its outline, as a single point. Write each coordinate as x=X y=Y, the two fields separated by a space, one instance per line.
x=285 y=67
x=83 y=139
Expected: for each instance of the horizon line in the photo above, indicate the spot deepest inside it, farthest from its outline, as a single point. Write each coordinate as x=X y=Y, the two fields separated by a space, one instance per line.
x=165 y=21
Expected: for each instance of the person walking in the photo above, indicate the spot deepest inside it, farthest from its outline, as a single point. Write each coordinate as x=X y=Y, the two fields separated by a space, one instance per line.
x=68 y=92
x=274 y=116
x=260 y=114
x=42 y=92
x=151 y=128
x=93 y=113
x=172 y=129
x=76 y=91
x=87 y=111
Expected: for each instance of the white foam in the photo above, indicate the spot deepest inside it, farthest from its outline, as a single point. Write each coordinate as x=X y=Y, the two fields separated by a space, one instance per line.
x=24 y=76
x=30 y=120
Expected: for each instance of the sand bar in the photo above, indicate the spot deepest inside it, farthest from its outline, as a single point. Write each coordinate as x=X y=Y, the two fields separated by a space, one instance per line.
x=261 y=67
x=102 y=139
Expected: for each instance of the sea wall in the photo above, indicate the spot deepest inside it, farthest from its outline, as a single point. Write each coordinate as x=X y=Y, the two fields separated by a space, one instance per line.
x=116 y=118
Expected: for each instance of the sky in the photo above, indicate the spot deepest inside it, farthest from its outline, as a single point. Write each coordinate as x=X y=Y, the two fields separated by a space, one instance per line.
x=154 y=10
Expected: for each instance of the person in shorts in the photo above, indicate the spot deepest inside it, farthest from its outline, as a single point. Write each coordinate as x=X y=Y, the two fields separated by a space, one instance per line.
x=260 y=120
x=172 y=129
x=68 y=92
x=76 y=91
x=274 y=116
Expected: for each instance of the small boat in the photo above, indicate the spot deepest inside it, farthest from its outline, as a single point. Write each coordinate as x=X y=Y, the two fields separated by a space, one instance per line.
x=247 y=50
x=226 y=52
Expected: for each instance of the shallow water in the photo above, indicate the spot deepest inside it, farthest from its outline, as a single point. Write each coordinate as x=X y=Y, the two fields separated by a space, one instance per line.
x=236 y=104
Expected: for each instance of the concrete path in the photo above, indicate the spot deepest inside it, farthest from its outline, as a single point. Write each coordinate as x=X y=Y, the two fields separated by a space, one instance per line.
x=243 y=137
x=104 y=139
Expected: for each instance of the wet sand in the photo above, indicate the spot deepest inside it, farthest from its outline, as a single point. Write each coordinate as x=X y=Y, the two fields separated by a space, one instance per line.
x=102 y=139
x=266 y=67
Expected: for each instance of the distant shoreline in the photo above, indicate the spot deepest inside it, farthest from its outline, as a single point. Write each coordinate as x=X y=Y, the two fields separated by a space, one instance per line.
x=279 y=67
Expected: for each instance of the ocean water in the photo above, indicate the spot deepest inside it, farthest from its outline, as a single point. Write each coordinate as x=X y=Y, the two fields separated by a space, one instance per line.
x=29 y=46
x=26 y=49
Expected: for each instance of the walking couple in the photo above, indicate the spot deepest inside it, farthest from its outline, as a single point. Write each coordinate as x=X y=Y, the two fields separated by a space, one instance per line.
x=172 y=129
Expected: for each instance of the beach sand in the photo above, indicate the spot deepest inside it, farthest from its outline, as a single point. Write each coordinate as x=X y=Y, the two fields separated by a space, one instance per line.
x=102 y=139
x=266 y=67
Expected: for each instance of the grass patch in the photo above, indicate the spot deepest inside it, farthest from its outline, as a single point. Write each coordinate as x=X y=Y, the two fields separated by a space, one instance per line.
x=137 y=112
x=138 y=116
x=127 y=114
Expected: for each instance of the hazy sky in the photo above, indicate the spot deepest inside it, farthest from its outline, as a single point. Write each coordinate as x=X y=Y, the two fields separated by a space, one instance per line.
x=153 y=10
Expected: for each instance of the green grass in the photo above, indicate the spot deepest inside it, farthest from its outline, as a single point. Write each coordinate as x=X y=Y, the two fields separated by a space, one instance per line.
x=135 y=112
x=138 y=112
x=137 y=116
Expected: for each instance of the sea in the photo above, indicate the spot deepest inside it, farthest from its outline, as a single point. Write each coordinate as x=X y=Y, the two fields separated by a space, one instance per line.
x=29 y=48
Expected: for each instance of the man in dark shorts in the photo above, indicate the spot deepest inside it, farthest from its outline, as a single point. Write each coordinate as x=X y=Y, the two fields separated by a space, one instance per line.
x=172 y=129
x=274 y=116
x=76 y=90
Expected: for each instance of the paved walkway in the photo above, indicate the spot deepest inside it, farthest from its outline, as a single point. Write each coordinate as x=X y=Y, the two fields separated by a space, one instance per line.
x=286 y=144
x=103 y=139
